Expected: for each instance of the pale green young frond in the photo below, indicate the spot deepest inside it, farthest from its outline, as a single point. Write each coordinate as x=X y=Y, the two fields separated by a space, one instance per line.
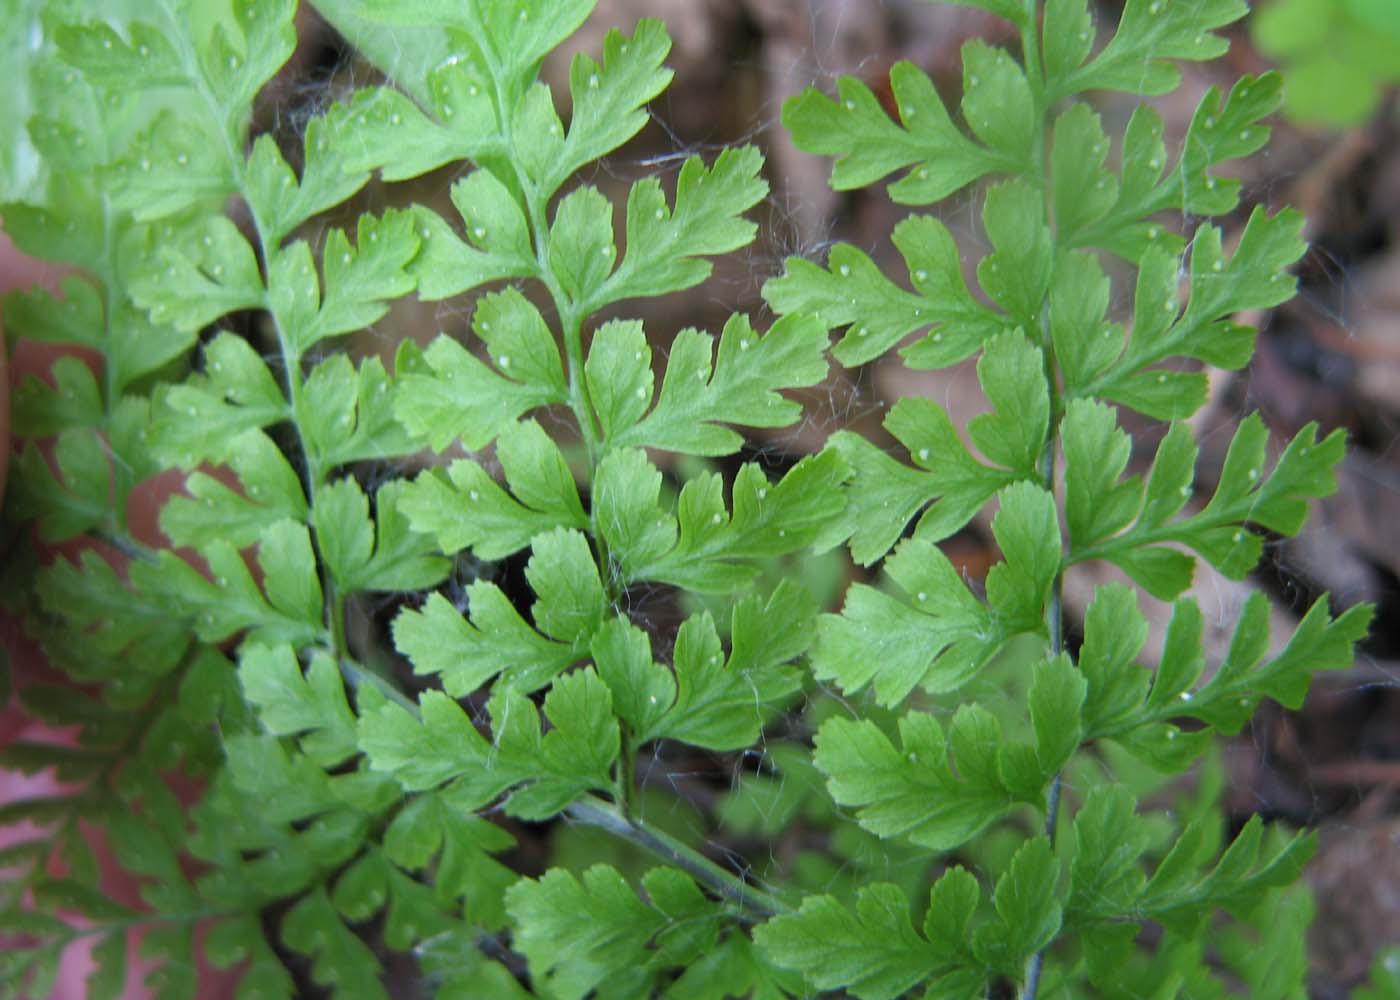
x=701 y=391
x=579 y=935
x=853 y=293
x=542 y=773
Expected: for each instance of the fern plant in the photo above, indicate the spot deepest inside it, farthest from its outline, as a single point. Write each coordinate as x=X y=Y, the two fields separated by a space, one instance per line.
x=1053 y=457
x=347 y=817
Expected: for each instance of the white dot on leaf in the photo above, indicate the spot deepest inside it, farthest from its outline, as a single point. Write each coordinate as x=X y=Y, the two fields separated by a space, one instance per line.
x=923 y=454
x=716 y=518
x=641 y=392
x=845 y=271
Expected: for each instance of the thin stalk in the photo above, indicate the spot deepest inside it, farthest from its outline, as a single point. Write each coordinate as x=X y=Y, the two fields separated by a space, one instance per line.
x=1055 y=628
x=357 y=673
x=123 y=924
x=234 y=141
x=625 y=776
x=570 y=316
x=754 y=903
x=1030 y=46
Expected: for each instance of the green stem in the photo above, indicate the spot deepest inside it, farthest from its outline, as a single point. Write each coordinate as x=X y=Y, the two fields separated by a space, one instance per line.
x=1030 y=46
x=316 y=475
x=1055 y=628
x=569 y=313
x=358 y=674
x=144 y=920
x=625 y=777
x=753 y=903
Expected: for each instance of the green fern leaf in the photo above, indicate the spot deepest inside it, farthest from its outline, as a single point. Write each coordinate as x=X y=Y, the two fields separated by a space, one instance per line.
x=875 y=953
x=551 y=770
x=853 y=292
x=740 y=388
x=438 y=640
